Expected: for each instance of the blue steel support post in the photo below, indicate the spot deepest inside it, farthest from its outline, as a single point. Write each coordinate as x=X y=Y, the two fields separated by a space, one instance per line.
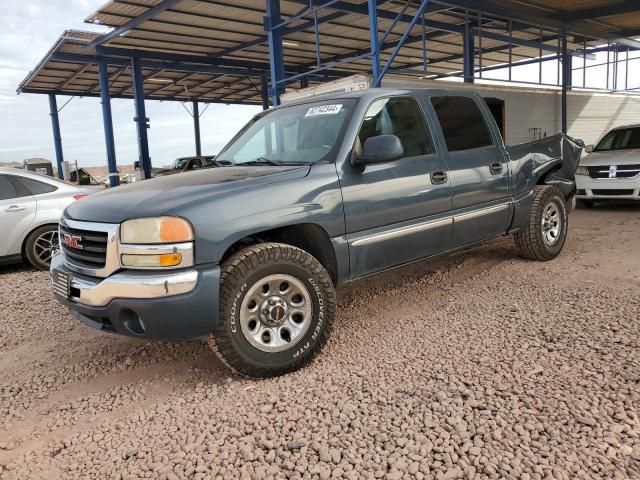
x=264 y=91
x=374 y=40
x=276 y=52
x=107 y=122
x=196 y=127
x=468 y=53
x=142 y=122
x=57 y=138
x=566 y=80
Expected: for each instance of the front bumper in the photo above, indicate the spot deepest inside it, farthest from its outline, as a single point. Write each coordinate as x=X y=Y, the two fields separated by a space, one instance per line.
x=170 y=306
x=607 y=189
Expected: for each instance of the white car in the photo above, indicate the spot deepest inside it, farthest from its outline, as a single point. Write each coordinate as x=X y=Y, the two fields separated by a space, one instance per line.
x=611 y=171
x=31 y=205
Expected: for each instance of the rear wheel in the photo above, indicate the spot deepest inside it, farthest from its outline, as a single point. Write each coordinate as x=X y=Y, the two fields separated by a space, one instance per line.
x=546 y=233
x=41 y=245
x=277 y=306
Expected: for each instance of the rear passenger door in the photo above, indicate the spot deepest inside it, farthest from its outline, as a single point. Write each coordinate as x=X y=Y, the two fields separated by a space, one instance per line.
x=17 y=212
x=478 y=169
x=394 y=212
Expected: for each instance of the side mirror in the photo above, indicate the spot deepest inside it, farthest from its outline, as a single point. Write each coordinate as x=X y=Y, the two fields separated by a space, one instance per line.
x=380 y=149
x=589 y=148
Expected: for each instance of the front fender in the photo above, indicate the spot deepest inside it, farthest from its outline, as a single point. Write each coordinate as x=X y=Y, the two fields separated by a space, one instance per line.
x=222 y=221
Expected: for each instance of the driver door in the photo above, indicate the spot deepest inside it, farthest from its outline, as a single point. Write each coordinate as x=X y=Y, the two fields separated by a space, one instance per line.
x=396 y=212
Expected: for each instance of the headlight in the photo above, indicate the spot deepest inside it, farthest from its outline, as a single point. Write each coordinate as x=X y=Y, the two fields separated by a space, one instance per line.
x=582 y=171
x=156 y=230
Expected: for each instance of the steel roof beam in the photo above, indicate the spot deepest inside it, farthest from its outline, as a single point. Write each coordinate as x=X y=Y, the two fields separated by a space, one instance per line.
x=134 y=22
x=158 y=64
x=605 y=11
x=536 y=20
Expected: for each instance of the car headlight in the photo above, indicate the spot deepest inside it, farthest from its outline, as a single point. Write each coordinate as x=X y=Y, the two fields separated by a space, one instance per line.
x=582 y=171
x=156 y=230
x=157 y=242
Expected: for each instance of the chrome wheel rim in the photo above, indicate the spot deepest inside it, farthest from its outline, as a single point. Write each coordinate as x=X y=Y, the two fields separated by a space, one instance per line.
x=46 y=245
x=276 y=313
x=551 y=224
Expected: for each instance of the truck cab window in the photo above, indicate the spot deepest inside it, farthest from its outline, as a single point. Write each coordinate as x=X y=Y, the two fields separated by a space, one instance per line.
x=462 y=122
x=399 y=116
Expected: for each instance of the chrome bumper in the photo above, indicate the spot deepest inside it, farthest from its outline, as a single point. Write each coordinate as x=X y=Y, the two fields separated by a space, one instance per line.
x=134 y=285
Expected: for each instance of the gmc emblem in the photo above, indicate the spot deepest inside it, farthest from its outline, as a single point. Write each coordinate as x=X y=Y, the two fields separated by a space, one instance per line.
x=72 y=241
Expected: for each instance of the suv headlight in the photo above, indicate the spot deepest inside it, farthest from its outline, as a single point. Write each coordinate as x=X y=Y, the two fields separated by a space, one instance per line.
x=156 y=230
x=157 y=242
x=582 y=171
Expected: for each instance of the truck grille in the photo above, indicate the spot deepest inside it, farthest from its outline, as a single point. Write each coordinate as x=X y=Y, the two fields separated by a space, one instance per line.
x=622 y=171
x=84 y=248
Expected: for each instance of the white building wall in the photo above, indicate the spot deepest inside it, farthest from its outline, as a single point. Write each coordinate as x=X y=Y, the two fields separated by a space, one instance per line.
x=589 y=115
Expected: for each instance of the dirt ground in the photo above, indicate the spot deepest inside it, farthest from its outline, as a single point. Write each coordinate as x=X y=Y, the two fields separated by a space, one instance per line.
x=480 y=366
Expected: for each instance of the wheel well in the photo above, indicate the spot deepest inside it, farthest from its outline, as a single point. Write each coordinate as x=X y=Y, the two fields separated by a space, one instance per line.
x=26 y=237
x=309 y=237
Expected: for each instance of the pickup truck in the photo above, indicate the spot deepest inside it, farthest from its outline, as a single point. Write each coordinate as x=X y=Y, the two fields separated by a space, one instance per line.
x=306 y=197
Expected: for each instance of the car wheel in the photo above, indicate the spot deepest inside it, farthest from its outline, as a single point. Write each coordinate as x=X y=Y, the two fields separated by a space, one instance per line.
x=41 y=245
x=546 y=233
x=584 y=203
x=277 y=307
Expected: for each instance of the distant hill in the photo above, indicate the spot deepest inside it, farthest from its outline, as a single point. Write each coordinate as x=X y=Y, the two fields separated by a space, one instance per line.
x=11 y=164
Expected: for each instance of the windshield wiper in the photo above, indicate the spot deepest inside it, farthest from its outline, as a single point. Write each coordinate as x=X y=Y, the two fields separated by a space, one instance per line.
x=263 y=161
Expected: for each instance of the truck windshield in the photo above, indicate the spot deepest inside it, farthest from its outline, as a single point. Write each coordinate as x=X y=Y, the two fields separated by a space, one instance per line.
x=621 y=139
x=295 y=135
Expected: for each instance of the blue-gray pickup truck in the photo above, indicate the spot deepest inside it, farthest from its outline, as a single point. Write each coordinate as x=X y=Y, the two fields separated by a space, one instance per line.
x=307 y=196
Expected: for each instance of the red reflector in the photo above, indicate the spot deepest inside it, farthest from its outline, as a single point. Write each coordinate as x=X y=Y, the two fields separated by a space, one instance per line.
x=78 y=196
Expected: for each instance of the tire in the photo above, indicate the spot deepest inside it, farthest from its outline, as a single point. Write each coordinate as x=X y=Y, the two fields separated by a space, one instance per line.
x=546 y=233
x=261 y=331
x=40 y=246
x=584 y=203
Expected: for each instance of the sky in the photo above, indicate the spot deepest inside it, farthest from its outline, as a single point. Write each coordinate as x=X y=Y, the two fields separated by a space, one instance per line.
x=29 y=29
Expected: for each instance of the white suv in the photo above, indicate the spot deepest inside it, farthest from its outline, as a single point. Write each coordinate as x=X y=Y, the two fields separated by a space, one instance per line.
x=611 y=171
x=31 y=205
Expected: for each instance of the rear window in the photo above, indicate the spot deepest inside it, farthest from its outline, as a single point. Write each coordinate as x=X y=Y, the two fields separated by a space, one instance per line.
x=462 y=122
x=7 y=190
x=35 y=187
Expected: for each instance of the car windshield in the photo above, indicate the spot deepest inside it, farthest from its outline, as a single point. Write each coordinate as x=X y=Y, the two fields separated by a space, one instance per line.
x=295 y=135
x=180 y=163
x=621 y=139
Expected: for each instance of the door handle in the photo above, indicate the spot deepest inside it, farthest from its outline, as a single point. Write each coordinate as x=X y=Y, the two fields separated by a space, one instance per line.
x=14 y=208
x=496 y=168
x=439 y=177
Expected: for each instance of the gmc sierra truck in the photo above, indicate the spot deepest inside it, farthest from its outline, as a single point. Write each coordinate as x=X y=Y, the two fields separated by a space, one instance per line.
x=307 y=196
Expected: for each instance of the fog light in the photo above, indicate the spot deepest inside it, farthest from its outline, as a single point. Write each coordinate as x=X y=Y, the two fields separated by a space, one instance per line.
x=150 y=261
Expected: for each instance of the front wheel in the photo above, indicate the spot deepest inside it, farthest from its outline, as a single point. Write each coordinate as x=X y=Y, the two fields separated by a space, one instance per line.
x=277 y=307
x=546 y=233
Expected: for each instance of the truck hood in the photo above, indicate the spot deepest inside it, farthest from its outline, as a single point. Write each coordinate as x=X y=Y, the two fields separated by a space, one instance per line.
x=614 y=157
x=162 y=195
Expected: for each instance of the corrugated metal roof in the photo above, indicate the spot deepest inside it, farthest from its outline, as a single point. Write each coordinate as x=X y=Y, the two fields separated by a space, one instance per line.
x=233 y=32
x=80 y=77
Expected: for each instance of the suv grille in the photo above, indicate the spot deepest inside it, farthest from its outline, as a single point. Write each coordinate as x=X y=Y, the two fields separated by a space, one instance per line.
x=84 y=248
x=612 y=192
x=623 y=171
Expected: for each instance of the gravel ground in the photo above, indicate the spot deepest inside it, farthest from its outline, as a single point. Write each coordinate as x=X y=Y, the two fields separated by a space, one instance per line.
x=481 y=366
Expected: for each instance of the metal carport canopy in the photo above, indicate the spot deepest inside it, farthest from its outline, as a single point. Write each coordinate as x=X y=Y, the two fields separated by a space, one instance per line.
x=327 y=33
x=71 y=68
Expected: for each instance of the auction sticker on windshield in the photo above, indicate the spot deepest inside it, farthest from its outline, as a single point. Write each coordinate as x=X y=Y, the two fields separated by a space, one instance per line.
x=323 y=110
